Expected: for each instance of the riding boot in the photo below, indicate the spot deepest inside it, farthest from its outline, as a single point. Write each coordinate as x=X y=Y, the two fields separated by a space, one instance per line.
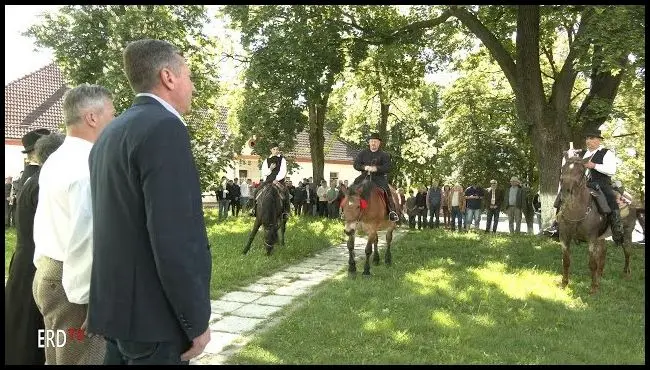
x=392 y=215
x=554 y=228
x=616 y=225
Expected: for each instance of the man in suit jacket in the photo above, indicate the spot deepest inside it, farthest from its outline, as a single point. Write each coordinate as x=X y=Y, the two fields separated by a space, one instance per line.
x=150 y=287
x=492 y=205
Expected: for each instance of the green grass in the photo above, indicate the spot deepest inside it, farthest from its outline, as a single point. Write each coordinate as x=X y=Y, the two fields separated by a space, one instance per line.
x=230 y=269
x=466 y=299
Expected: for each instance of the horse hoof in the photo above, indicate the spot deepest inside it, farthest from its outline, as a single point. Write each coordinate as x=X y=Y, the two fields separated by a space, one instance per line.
x=389 y=263
x=366 y=274
x=376 y=262
x=562 y=284
x=593 y=291
x=627 y=276
x=352 y=274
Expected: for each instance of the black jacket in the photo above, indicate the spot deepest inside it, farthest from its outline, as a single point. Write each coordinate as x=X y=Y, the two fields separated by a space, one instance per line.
x=150 y=278
x=368 y=158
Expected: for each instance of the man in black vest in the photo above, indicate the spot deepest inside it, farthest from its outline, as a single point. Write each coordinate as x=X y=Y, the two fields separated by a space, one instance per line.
x=274 y=170
x=600 y=169
x=377 y=163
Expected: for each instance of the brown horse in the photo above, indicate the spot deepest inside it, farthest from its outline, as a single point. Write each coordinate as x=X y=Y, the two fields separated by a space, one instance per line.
x=579 y=220
x=371 y=215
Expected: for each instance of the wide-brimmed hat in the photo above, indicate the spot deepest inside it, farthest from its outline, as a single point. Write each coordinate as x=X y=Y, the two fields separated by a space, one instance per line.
x=593 y=133
x=374 y=135
x=32 y=137
x=514 y=178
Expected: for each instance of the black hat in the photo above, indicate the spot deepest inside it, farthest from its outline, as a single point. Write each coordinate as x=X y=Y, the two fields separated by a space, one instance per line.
x=31 y=137
x=275 y=144
x=374 y=135
x=593 y=133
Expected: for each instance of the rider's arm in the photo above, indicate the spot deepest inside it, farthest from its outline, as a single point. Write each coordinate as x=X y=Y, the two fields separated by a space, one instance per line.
x=358 y=162
x=283 y=170
x=608 y=167
x=385 y=165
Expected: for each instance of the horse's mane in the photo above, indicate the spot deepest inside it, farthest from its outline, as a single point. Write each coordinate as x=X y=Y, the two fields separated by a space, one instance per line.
x=269 y=205
x=573 y=175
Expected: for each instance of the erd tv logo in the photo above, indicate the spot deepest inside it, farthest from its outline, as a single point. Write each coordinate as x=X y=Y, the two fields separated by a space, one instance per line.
x=50 y=338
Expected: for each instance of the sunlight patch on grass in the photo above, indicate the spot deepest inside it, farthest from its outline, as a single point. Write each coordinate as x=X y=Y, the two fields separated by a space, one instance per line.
x=525 y=283
x=443 y=318
x=260 y=355
x=375 y=325
x=483 y=320
x=401 y=336
x=428 y=280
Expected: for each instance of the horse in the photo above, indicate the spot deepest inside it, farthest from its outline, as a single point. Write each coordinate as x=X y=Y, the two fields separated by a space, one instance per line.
x=579 y=220
x=269 y=212
x=371 y=215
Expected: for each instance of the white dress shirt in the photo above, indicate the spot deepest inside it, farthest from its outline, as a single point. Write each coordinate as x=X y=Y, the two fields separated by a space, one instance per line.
x=266 y=170
x=608 y=167
x=245 y=190
x=164 y=104
x=63 y=223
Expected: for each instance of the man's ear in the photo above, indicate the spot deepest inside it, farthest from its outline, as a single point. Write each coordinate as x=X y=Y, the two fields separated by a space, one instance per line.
x=167 y=78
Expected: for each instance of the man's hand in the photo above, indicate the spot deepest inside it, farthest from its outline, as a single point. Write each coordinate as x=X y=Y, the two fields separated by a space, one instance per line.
x=590 y=164
x=272 y=166
x=275 y=182
x=198 y=345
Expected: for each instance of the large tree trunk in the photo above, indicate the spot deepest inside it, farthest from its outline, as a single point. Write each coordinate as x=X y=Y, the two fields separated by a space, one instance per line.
x=317 y=139
x=548 y=146
x=383 y=122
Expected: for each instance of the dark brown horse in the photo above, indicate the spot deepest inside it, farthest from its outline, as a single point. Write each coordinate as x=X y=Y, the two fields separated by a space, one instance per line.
x=269 y=213
x=371 y=216
x=579 y=220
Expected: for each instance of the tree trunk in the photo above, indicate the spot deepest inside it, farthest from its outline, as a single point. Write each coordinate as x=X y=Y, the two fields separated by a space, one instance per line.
x=383 y=123
x=317 y=139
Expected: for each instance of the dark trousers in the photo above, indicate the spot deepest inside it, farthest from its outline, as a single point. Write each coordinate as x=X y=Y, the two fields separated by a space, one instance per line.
x=492 y=213
x=124 y=352
x=412 y=221
x=456 y=213
x=422 y=217
x=235 y=206
x=435 y=213
x=322 y=208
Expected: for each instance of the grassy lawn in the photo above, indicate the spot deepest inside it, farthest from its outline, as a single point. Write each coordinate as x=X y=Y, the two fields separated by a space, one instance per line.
x=230 y=269
x=466 y=299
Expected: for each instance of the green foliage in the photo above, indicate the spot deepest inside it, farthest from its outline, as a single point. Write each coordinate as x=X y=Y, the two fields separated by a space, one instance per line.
x=482 y=137
x=464 y=299
x=88 y=42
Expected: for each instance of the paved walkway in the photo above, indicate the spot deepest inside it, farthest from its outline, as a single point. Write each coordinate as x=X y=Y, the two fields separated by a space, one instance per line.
x=238 y=316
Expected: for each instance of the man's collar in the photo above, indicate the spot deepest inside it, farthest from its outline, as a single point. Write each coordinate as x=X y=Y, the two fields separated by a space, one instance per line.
x=163 y=103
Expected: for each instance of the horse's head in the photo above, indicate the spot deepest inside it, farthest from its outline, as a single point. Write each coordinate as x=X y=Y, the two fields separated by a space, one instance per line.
x=352 y=205
x=573 y=174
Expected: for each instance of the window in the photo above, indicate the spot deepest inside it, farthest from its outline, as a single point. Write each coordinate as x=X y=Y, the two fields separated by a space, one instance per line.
x=243 y=175
x=334 y=178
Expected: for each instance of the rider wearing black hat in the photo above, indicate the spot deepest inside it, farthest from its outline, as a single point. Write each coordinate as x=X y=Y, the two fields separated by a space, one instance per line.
x=601 y=167
x=377 y=163
x=31 y=163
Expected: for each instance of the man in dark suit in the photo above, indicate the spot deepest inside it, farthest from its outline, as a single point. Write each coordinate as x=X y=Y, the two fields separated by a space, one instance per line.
x=150 y=286
x=492 y=205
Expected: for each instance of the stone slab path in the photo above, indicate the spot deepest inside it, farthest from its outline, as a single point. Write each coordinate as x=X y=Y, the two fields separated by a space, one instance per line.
x=237 y=316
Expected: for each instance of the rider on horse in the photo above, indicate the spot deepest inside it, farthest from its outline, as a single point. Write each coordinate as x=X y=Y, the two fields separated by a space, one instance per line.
x=376 y=163
x=601 y=167
x=274 y=170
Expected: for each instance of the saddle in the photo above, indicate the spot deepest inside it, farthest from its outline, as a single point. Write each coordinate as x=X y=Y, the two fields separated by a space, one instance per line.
x=279 y=187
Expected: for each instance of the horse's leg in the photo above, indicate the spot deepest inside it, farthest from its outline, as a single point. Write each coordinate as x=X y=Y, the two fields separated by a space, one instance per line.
x=375 y=255
x=251 y=236
x=627 y=271
x=566 y=260
x=602 y=253
x=283 y=228
x=594 y=261
x=352 y=264
x=371 y=238
x=389 y=238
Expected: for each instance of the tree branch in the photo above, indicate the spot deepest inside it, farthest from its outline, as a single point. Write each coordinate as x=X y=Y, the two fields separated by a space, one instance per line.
x=235 y=57
x=579 y=93
x=549 y=56
x=490 y=41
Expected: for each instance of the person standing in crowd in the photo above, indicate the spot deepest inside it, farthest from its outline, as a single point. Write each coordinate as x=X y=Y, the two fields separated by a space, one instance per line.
x=231 y=196
x=150 y=286
x=421 y=205
x=63 y=226
x=527 y=208
x=299 y=198
x=493 y=198
x=411 y=209
x=444 y=201
x=331 y=195
x=245 y=190
x=456 y=202
x=473 y=196
x=322 y=198
x=513 y=203
x=434 y=197
x=23 y=319
x=537 y=208
x=235 y=197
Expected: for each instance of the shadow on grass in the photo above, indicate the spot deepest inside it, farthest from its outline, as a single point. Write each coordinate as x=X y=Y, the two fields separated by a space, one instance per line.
x=465 y=299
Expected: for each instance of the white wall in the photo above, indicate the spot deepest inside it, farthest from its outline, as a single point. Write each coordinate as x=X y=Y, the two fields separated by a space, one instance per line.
x=14 y=160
